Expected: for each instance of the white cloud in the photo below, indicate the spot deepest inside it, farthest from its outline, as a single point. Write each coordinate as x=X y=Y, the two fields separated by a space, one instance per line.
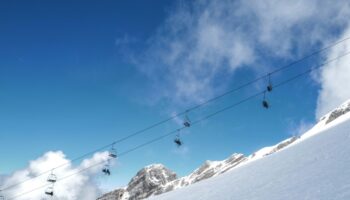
x=77 y=187
x=335 y=79
x=299 y=128
x=200 y=46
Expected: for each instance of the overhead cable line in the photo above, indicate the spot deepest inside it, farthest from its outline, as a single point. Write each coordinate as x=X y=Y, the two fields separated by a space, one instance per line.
x=186 y=111
x=196 y=122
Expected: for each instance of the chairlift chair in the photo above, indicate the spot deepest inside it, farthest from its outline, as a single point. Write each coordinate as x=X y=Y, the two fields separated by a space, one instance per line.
x=269 y=86
x=177 y=139
x=265 y=104
x=187 y=122
x=112 y=153
x=106 y=167
x=52 y=178
x=49 y=191
x=106 y=171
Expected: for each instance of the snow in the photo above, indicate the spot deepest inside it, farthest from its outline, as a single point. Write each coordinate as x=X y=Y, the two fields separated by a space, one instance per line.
x=314 y=167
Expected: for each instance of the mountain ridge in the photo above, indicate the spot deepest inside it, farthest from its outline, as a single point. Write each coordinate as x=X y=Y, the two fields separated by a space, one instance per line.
x=162 y=183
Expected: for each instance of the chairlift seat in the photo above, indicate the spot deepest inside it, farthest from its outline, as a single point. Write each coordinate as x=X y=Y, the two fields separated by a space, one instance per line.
x=178 y=142
x=49 y=191
x=112 y=155
x=52 y=178
x=265 y=104
x=187 y=124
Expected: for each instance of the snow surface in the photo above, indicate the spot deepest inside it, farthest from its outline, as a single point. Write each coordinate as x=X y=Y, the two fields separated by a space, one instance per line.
x=316 y=166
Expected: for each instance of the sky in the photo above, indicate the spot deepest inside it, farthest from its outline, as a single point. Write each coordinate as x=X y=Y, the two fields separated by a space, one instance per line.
x=75 y=76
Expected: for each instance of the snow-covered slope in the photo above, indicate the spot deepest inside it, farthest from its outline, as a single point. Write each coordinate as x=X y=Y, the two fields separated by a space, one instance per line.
x=315 y=166
x=156 y=179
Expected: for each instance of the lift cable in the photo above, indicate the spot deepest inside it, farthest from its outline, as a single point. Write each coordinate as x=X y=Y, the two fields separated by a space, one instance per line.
x=193 y=123
x=186 y=111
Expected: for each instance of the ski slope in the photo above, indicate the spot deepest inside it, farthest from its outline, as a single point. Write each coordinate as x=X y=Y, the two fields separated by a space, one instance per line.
x=317 y=167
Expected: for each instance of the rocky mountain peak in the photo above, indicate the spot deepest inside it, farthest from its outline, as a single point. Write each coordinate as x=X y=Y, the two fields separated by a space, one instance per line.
x=151 y=176
x=334 y=114
x=146 y=182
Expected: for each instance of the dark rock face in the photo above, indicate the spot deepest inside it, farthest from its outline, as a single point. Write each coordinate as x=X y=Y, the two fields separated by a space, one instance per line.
x=233 y=161
x=148 y=181
x=284 y=144
x=338 y=112
x=145 y=183
x=114 y=195
x=203 y=172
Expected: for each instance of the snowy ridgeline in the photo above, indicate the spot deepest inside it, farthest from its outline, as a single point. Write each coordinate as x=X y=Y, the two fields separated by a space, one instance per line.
x=249 y=177
x=316 y=168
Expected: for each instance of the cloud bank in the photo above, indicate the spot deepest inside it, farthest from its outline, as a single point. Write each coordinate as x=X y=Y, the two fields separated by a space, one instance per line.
x=197 y=50
x=335 y=79
x=77 y=187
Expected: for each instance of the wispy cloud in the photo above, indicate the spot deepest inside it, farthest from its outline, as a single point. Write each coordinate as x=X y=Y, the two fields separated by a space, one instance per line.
x=299 y=128
x=201 y=44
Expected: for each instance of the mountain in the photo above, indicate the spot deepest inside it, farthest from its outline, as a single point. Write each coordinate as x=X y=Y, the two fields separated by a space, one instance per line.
x=316 y=166
x=146 y=182
x=157 y=179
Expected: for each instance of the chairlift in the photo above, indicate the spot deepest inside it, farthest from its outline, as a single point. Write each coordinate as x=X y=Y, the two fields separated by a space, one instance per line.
x=112 y=152
x=269 y=86
x=265 y=103
x=52 y=178
x=49 y=191
x=177 y=139
x=106 y=170
x=187 y=121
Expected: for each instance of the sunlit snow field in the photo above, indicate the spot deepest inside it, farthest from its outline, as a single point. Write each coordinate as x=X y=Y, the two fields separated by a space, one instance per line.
x=316 y=168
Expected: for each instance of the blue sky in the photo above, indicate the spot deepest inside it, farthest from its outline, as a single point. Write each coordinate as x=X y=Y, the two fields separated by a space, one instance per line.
x=75 y=76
